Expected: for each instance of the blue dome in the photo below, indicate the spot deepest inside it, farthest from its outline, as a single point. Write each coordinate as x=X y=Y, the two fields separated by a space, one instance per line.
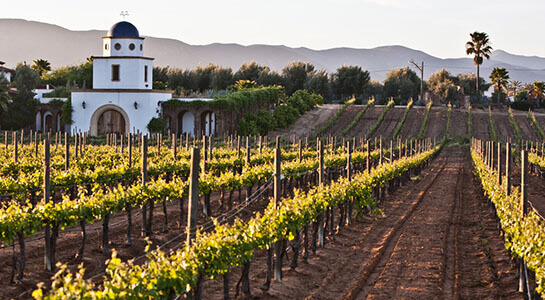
x=123 y=29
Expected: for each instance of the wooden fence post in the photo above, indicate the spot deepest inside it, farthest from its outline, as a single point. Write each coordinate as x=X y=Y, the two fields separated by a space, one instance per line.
x=193 y=196
x=523 y=209
x=49 y=260
x=320 y=182
x=507 y=169
x=277 y=199
x=499 y=163
x=15 y=150
x=66 y=151
x=144 y=179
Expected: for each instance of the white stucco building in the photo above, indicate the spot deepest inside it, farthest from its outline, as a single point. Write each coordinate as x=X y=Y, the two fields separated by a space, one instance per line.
x=122 y=98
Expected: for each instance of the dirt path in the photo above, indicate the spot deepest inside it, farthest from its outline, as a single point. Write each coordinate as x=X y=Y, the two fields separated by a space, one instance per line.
x=413 y=122
x=389 y=123
x=436 y=239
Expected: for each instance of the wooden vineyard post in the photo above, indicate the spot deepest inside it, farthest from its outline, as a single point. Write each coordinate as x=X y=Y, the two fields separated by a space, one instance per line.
x=277 y=195
x=204 y=154
x=6 y=139
x=507 y=169
x=211 y=147
x=144 y=179
x=248 y=150
x=49 y=260
x=391 y=151
x=499 y=163
x=66 y=151
x=300 y=150
x=368 y=158
x=129 y=144
x=380 y=152
x=321 y=182
x=174 y=148
x=15 y=150
x=350 y=204
x=193 y=196
x=523 y=211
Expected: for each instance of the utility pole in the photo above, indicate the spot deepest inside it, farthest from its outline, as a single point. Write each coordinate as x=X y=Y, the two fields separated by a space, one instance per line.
x=421 y=68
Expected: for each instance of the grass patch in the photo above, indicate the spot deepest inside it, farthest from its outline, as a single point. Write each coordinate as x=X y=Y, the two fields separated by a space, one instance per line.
x=513 y=122
x=493 y=134
x=469 y=122
x=422 y=132
x=535 y=125
x=400 y=124
x=380 y=118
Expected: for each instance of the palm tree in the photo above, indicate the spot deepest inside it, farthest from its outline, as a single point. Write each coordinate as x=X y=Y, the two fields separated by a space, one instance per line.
x=499 y=77
x=480 y=47
x=538 y=91
x=514 y=86
x=41 y=66
x=4 y=93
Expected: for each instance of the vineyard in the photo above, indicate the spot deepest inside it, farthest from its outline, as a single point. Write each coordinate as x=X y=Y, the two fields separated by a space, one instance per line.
x=370 y=202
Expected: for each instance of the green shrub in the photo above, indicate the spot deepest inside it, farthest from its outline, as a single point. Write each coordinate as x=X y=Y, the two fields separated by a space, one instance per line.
x=156 y=125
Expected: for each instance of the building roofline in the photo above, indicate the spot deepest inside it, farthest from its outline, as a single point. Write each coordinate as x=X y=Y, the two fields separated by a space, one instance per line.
x=123 y=37
x=123 y=57
x=121 y=91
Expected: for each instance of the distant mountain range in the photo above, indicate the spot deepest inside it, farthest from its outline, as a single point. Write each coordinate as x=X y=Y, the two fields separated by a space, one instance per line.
x=23 y=40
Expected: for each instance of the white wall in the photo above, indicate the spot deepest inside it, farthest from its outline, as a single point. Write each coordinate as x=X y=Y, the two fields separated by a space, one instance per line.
x=7 y=75
x=131 y=73
x=108 y=45
x=138 y=118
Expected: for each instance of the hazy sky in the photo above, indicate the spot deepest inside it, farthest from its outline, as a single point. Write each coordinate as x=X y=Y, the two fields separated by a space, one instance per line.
x=438 y=27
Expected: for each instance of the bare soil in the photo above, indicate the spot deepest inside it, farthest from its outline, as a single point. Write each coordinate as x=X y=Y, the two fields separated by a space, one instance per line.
x=389 y=123
x=344 y=120
x=458 y=122
x=480 y=124
x=310 y=122
x=367 y=121
x=435 y=239
x=504 y=129
x=413 y=122
x=437 y=122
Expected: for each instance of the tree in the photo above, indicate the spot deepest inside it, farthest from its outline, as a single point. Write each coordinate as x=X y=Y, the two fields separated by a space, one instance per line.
x=514 y=86
x=41 y=66
x=21 y=111
x=499 y=78
x=4 y=93
x=80 y=75
x=318 y=83
x=161 y=74
x=249 y=71
x=479 y=46
x=402 y=84
x=538 y=91
x=350 y=80
x=467 y=82
x=295 y=75
x=221 y=78
x=441 y=83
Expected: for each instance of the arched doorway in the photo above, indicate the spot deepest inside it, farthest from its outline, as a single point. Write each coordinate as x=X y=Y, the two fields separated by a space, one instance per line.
x=208 y=123
x=186 y=122
x=109 y=119
x=48 y=122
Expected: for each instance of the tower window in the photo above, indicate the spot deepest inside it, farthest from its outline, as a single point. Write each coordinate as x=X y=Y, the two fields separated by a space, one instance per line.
x=117 y=46
x=106 y=46
x=115 y=72
x=141 y=47
x=145 y=73
x=131 y=46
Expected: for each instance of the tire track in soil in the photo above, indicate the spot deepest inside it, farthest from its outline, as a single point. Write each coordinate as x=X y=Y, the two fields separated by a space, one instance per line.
x=472 y=262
